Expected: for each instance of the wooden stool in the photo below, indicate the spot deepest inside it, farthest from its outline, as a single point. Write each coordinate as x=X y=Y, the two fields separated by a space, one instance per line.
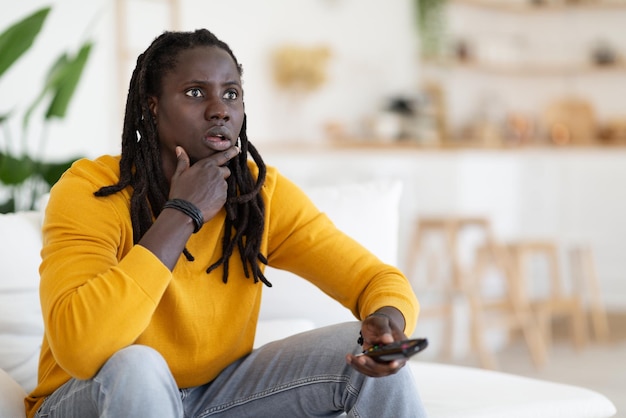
x=453 y=283
x=585 y=278
x=451 y=228
x=555 y=302
x=509 y=310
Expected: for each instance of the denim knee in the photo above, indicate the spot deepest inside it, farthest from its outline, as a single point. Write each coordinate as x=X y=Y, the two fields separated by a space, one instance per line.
x=135 y=361
x=137 y=378
x=138 y=356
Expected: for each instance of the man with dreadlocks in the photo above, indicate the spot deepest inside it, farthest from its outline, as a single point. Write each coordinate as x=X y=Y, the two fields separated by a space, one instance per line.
x=152 y=260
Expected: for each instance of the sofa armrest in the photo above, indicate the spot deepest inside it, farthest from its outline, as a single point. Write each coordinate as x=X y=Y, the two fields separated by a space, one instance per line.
x=11 y=397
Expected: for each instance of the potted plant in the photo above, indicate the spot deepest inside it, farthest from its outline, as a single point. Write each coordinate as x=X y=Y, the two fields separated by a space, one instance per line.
x=431 y=27
x=23 y=177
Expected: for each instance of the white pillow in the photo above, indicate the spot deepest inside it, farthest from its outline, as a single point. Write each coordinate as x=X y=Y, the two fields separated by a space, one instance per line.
x=19 y=250
x=369 y=213
x=21 y=323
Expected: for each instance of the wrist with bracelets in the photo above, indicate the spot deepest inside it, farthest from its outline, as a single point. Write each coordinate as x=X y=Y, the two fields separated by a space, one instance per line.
x=360 y=340
x=188 y=209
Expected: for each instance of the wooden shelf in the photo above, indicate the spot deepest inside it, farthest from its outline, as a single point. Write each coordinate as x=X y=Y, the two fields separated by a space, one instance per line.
x=521 y=68
x=372 y=144
x=528 y=7
x=537 y=70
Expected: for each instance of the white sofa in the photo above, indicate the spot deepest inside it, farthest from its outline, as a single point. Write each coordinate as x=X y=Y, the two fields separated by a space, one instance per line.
x=368 y=212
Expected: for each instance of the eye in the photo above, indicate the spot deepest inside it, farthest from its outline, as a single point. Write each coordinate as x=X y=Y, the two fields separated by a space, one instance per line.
x=231 y=94
x=194 y=92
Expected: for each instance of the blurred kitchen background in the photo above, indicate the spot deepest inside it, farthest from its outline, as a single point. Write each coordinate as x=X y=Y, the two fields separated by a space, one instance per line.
x=509 y=112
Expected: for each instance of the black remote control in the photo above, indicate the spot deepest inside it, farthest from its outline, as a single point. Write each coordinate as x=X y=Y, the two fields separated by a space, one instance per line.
x=396 y=350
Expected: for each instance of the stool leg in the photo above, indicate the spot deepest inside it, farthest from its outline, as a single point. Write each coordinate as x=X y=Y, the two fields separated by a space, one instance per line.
x=579 y=324
x=414 y=250
x=522 y=310
x=485 y=356
x=598 y=312
x=543 y=313
x=448 y=327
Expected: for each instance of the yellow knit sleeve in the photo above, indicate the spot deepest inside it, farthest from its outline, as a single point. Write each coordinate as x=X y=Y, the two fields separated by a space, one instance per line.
x=93 y=279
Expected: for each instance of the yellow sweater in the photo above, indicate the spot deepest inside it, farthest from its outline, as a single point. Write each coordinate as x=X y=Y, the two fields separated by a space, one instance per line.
x=100 y=293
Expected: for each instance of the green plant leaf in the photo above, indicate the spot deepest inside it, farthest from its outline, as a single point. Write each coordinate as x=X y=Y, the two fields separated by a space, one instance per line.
x=69 y=78
x=23 y=175
x=51 y=172
x=19 y=37
x=8 y=206
x=53 y=80
x=15 y=170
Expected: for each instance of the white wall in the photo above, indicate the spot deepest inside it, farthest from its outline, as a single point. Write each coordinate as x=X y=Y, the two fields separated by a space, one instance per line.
x=373 y=56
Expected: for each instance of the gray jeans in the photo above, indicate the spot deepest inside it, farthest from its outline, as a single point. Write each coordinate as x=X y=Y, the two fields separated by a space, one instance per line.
x=305 y=375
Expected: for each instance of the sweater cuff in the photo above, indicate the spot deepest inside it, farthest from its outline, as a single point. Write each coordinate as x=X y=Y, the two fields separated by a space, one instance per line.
x=409 y=311
x=145 y=269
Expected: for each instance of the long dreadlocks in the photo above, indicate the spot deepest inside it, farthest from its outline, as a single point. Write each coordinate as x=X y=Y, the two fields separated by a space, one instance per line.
x=141 y=169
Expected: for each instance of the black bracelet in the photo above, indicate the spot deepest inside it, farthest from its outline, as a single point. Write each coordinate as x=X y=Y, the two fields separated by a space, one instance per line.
x=188 y=209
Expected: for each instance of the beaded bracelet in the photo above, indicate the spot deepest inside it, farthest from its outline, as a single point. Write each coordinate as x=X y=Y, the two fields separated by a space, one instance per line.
x=188 y=209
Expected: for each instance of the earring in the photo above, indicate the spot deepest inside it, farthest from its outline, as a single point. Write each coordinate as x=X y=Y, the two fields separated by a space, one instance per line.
x=138 y=135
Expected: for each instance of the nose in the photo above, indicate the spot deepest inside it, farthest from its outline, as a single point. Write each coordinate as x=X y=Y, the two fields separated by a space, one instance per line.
x=216 y=109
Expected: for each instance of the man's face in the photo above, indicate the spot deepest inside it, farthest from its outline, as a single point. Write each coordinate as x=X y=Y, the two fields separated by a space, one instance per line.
x=200 y=107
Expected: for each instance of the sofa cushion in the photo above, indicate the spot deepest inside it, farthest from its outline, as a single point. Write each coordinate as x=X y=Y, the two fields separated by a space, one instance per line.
x=21 y=324
x=11 y=397
x=19 y=250
x=369 y=213
x=465 y=392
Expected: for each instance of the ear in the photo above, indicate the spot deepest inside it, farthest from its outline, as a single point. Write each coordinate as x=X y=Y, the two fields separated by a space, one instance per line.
x=153 y=104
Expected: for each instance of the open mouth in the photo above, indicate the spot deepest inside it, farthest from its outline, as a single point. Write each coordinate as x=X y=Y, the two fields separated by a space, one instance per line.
x=217 y=139
x=219 y=133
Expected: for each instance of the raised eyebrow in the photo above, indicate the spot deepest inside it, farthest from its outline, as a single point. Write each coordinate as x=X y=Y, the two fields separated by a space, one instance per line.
x=192 y=83
x=233 y=83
